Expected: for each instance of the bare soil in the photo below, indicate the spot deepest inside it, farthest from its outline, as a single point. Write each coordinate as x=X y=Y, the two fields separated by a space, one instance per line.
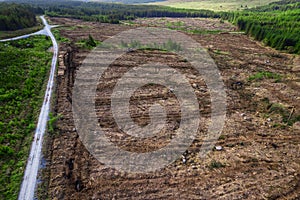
x=260 y=156
x=186 y=23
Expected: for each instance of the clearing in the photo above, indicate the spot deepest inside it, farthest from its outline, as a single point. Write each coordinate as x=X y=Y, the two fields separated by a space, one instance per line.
x=260 y=141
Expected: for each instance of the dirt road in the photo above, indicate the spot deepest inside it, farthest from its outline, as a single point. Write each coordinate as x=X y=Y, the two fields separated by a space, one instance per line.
x=30 y=176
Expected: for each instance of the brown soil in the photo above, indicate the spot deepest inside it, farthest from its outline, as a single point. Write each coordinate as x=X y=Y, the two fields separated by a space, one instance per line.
x=260 y=158
x=185 y=23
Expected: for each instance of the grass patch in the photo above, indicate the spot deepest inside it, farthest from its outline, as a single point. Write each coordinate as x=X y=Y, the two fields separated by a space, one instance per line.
x=199 y=31
x=24 y=68
x=216 y=164
x=52 y=122
x=170 y=45
x=88 y=43
x=219 y=52
x=288 y=116
x=58 y=37
x=265 y=75
x=175 y=25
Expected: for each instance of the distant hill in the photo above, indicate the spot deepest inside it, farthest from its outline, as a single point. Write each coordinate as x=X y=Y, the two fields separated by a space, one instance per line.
x=126 y=1
x=217 y=5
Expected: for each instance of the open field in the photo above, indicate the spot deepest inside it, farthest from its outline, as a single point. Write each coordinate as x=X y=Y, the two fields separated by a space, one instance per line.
x=217 y=5
x=260 y=156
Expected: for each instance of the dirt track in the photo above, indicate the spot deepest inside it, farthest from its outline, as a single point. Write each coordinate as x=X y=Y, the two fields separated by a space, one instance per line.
x=260 y=158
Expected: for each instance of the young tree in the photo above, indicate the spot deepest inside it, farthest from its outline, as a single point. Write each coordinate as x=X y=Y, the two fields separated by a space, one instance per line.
x=91 y=42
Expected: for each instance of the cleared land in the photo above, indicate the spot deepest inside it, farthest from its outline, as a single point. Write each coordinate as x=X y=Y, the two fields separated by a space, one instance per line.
x=260 y=156
x=191 y=25
x=218 y=5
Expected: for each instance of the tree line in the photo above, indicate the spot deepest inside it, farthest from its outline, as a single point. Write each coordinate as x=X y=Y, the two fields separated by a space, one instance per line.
x=113 y=12
x=16 y=16
x=277 y=24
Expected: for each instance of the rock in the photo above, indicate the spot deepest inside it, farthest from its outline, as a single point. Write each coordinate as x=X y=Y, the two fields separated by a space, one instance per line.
x=195 y=85
x=219 y=148
x=296 y=126
x=183 y=159
x=247 y=118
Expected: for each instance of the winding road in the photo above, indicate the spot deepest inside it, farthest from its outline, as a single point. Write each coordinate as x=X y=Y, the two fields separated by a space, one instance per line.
x=28 y=186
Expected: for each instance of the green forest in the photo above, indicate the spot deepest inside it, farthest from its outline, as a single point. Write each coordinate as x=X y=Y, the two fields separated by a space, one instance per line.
x=112 y=12
x=14 y=17
x=277 y=25
x=24 y=66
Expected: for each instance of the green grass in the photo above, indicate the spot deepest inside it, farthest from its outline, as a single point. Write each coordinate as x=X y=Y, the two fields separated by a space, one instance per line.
x=193 y=31
x=88 y=43
x=265 y=75
x=216 y=5
x=175 y=24
x=52 y=122
x=202 y=32
x=288 y=115
x=58 y=37
x=24 y=68
x=219 y=52
x=170 y=45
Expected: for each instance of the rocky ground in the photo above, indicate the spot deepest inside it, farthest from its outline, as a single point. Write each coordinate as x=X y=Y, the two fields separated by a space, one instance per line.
x=260 y=143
